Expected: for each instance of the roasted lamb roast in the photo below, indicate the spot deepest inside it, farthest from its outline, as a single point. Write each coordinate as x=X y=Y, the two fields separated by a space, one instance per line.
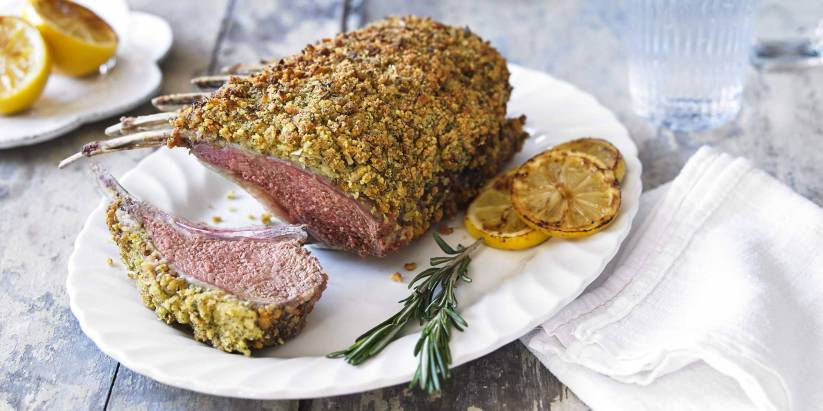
x=368 y=139
x=237 y=290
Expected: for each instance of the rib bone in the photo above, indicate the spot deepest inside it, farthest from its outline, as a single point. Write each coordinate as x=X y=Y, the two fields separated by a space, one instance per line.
x=128 y=125
x=174 y=102
x=215 y=81
x=210 y=82
x=144 y=139
x=112 y=188
x=245 y=68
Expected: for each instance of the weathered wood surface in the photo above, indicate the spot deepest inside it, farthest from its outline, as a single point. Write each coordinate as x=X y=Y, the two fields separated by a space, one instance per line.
x=47 y=363
x=511 y=378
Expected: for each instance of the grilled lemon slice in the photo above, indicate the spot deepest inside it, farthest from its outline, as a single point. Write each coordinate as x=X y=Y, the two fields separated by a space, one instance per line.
x=79 y=40
x=491 y=217
x=24 y=64
x=566 y=194
x=600 y=149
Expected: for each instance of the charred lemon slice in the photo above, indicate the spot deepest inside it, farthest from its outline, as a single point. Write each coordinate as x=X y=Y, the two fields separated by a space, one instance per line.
x=600 y=149
x=565 y=194
x=24 y=64
x=79 y=40
x=491 y=217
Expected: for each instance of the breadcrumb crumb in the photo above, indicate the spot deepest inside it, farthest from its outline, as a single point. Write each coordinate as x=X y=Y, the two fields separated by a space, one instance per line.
x=397 y=277
x=251 y=217
x=265 y=218
x=410 y=266
x=445 y=230
x=109 y=262
x=231 y=195
x=217 y=219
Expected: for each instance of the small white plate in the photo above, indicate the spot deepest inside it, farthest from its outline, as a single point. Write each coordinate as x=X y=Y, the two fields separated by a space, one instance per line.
x=68 y=103
x=512 y=291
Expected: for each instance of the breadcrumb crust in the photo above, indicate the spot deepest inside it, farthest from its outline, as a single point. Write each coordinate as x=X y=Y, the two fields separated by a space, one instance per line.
x=407 y=114
x=214 y=316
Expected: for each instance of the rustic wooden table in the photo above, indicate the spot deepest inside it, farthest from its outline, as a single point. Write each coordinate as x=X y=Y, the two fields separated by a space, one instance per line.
x=47 y=363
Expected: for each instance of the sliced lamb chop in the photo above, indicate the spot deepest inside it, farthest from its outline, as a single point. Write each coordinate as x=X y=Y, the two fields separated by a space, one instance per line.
x=368 y=139
x=237 y=289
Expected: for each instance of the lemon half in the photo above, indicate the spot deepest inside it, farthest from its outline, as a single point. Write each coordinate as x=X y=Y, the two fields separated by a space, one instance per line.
x=79 y=40
x=566 y=194
x=491 y=217
x=24 y=64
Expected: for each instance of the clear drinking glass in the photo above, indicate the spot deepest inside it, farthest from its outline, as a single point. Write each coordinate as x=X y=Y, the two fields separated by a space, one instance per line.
x=687 y=59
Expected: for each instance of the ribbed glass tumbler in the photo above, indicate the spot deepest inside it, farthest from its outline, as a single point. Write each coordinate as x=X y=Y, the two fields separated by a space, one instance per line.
x=687 y=59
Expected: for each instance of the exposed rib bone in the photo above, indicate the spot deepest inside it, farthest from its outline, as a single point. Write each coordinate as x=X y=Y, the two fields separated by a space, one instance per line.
x=142 y=210
x=174 y=102
x=144 y=139
x=245 y=68
x=128 y=125
x=210 y=82
x=239 y=69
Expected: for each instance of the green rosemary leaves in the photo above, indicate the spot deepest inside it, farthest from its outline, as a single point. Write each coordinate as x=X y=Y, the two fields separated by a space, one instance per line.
x=433 y=304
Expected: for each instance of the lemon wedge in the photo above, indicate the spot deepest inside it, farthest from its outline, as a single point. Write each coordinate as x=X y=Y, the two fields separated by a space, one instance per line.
x=79 y=40
x=24 y=64
x=600 y=149
x=491 y=217
x=566 y=194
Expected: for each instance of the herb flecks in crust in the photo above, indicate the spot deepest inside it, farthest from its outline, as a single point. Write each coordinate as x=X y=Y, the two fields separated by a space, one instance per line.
x=407 y=114
x=215 y=317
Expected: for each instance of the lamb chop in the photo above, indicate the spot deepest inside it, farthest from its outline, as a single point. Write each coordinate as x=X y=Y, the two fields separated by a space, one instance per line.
x=367 y=139
x=236 y=289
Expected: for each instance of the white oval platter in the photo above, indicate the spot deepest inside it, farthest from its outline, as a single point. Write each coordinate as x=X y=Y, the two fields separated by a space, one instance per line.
x=512 y=292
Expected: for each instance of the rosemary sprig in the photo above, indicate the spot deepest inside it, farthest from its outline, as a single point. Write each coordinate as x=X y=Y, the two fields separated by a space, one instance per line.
x=433 y=304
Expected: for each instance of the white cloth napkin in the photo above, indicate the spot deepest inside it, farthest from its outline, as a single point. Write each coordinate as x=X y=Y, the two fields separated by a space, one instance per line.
x=714 y=302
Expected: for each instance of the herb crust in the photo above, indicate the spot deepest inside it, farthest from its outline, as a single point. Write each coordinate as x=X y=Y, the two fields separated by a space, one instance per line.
x=214 y=316
x=407 y=114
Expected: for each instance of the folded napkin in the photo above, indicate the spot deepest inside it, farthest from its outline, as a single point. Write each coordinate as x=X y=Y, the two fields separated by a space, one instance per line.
x=715 y=301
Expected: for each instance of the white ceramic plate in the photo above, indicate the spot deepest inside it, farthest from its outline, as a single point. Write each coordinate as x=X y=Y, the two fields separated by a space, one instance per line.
x=68 y=103
x=512 y=292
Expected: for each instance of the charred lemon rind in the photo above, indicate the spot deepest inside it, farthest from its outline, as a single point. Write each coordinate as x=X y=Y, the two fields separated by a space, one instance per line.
x=566 y=233
x=491 y=217
x=519 y=241
x=602 y=150
x=543 y=176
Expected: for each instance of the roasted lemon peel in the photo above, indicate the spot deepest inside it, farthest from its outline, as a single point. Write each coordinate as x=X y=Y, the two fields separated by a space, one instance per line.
x=79 y=40
x=601 y=149
x=566 y=194
x=492 y=217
